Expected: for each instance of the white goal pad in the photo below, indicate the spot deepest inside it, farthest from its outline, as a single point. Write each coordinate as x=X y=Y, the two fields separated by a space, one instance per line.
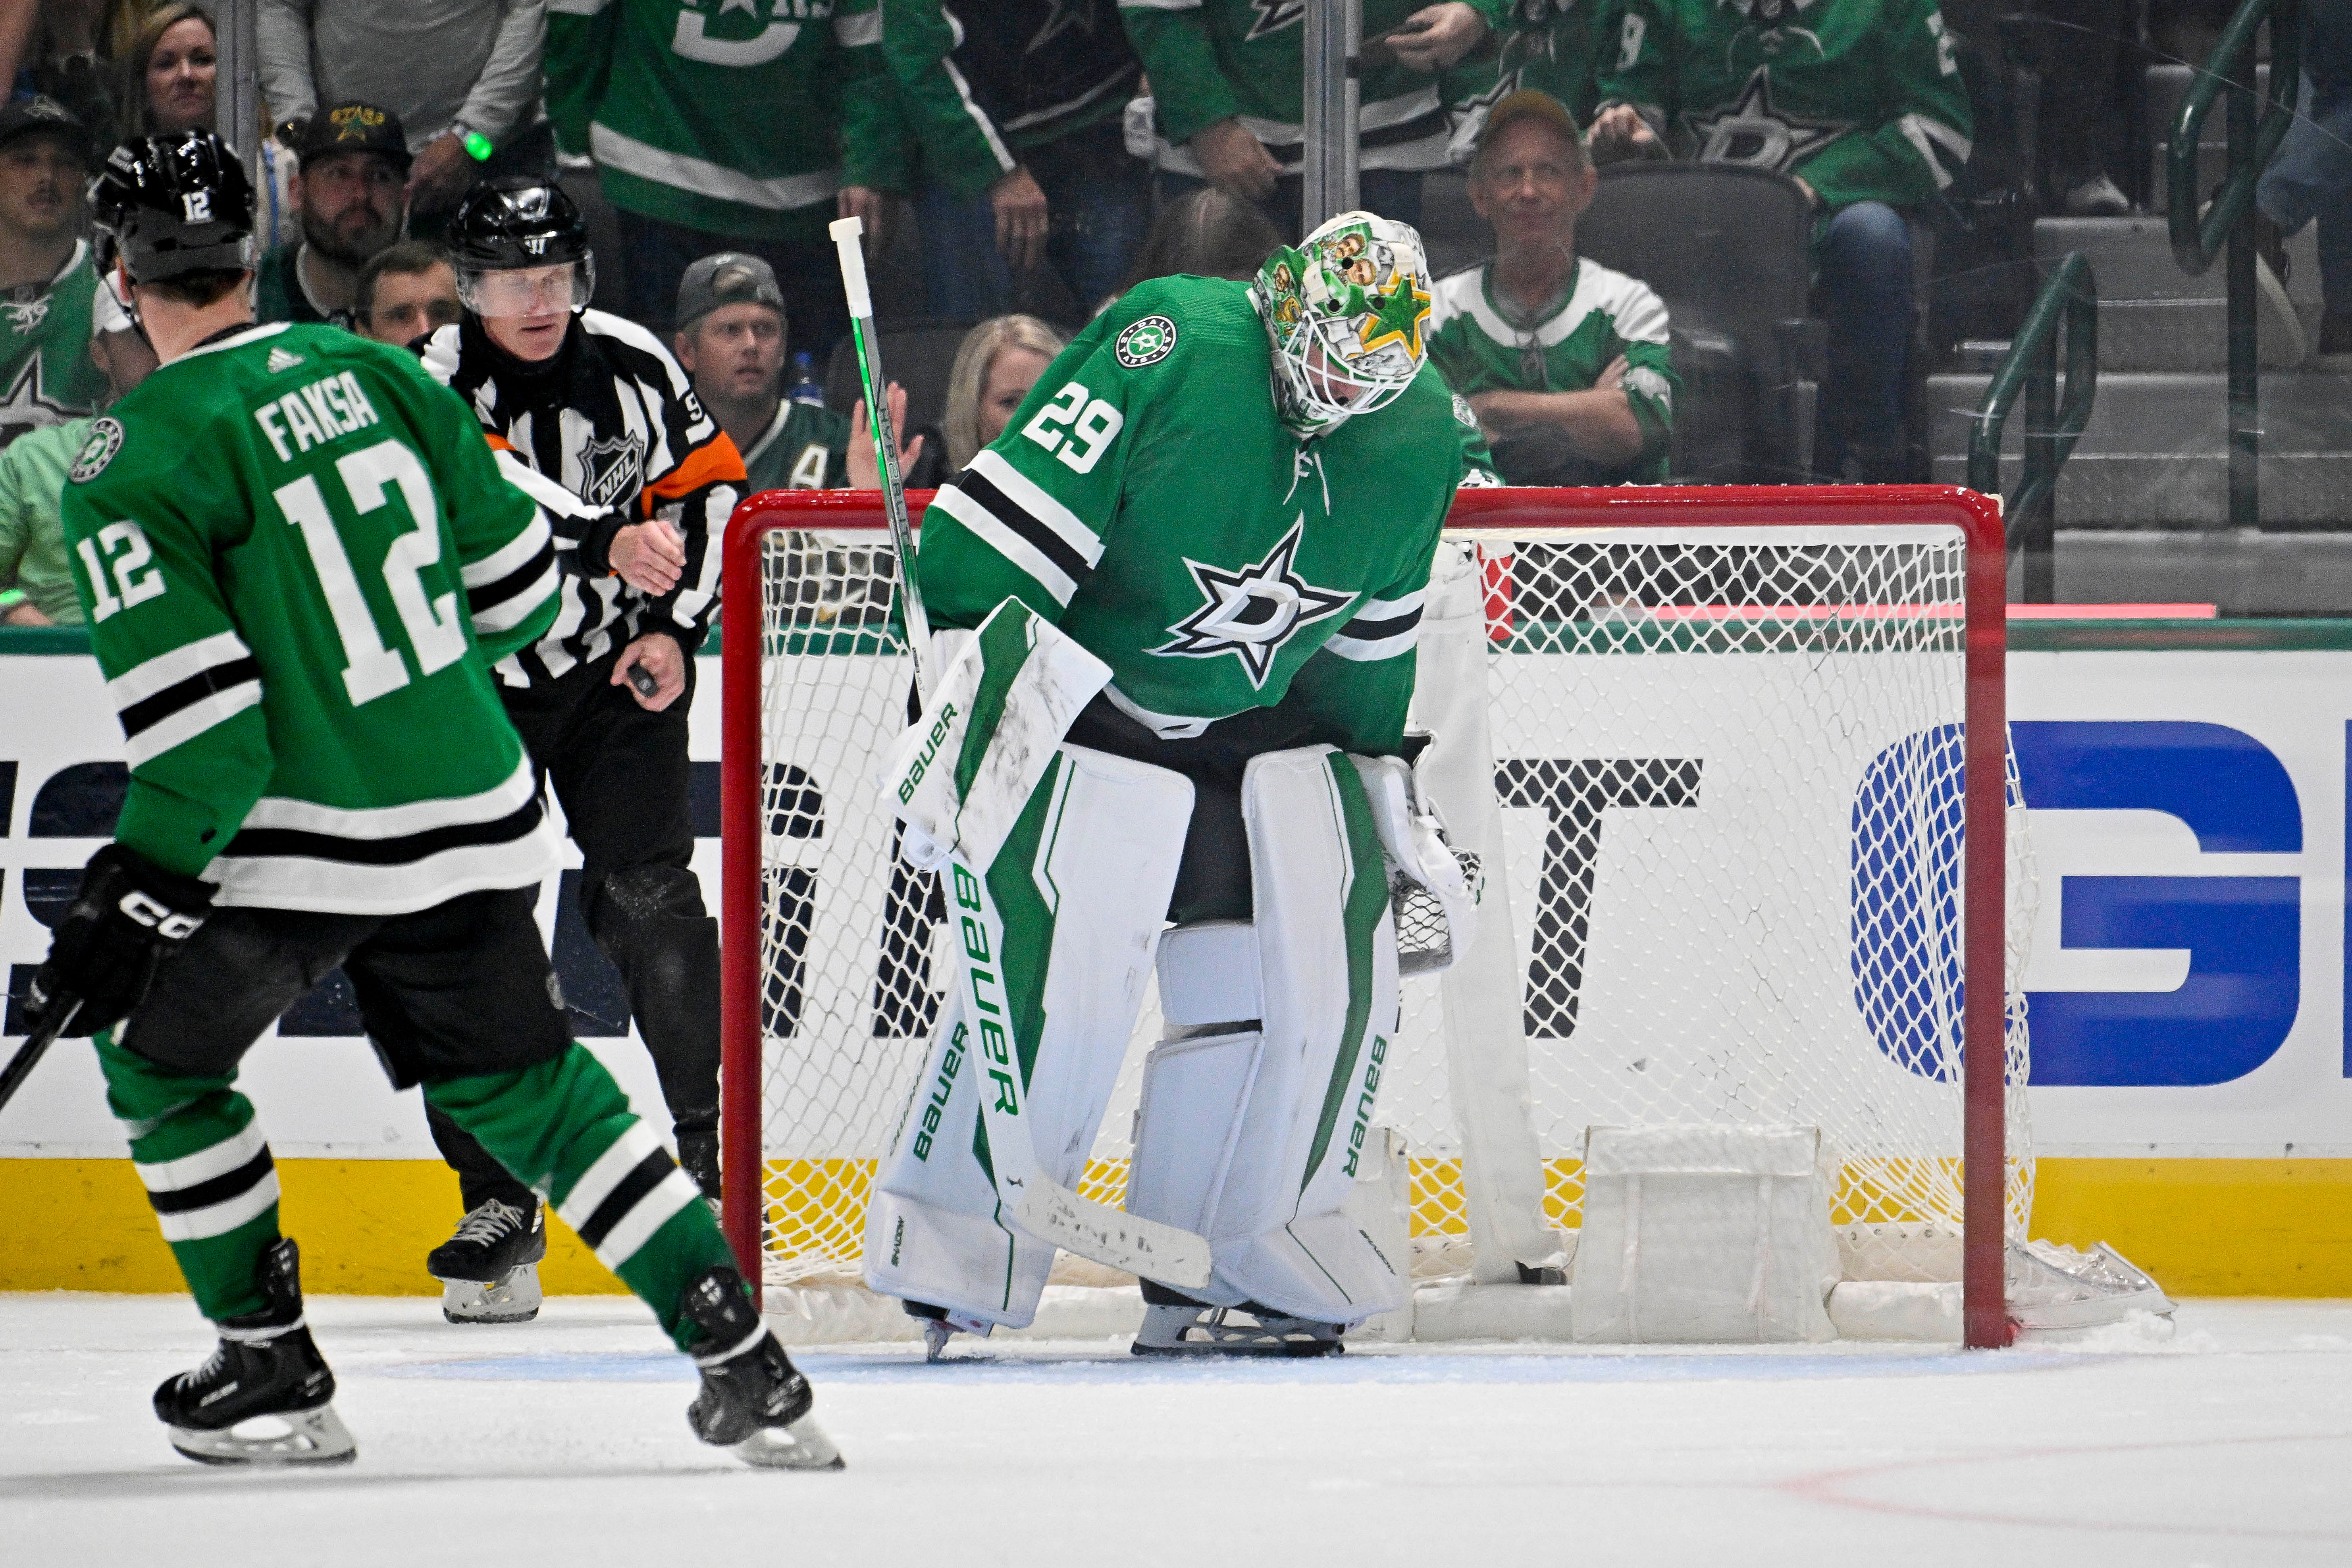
x=1711 y=1235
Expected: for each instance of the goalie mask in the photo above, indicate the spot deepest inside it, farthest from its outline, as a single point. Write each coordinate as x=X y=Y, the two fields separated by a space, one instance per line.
x=1348 y=312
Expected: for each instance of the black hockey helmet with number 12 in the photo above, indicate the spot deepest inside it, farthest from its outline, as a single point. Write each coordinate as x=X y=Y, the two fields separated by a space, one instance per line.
x=175 y=205
x=515 y=222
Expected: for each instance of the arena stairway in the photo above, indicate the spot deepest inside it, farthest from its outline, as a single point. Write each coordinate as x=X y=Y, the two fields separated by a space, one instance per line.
x=2143 y=503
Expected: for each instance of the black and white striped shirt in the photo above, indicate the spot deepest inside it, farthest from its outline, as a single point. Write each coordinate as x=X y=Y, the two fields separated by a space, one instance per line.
x=607 y=433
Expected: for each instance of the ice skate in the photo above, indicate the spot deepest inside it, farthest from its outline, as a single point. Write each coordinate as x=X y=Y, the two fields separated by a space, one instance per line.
x=488 y=1270
x=264 y=1396
x=1193 y=1328
x=752 y=1400
x=941 y=1325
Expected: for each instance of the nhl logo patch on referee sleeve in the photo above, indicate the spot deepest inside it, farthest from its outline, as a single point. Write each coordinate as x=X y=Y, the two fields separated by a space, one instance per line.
x=1145 y=341
x=105 y=440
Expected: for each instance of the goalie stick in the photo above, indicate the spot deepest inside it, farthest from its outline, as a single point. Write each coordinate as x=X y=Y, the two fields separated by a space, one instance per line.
x=1040 y=1205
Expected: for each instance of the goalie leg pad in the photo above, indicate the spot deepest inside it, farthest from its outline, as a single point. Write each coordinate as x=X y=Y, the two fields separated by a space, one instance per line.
x=1257 y=1107
x=1081 y=887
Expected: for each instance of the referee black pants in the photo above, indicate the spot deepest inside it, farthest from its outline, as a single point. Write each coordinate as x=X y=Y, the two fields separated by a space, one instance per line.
x=621 y=775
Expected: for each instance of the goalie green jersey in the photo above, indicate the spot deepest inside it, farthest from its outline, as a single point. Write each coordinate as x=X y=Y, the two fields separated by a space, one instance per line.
x=1146 y=499
x=1860 y=99
x=298 y=559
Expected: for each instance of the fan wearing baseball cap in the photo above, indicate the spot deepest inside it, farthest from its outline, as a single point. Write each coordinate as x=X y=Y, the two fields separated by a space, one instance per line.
x=731 y=338
x=351 y=194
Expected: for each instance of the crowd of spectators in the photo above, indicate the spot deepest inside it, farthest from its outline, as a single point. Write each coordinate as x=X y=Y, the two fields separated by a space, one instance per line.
x=1051 y=154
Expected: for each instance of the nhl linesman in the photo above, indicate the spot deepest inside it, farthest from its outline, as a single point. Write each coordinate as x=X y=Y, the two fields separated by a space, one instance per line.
x=594 y=420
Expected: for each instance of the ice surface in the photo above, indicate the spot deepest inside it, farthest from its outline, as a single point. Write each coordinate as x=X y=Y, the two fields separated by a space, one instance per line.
x=563 y=1442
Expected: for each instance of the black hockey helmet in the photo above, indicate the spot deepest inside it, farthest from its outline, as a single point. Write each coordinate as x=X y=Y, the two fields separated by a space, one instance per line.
x=173 y=204
x=519 y=222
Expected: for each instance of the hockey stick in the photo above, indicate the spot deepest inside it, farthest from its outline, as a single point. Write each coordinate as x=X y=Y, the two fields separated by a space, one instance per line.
x=845 y=232
x=1039 y=1204
x=28 y=1055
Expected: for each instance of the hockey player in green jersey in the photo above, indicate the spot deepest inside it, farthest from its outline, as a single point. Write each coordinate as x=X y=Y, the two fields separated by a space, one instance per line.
x=298 y=558
x=1861 y=102
x=1195 y=559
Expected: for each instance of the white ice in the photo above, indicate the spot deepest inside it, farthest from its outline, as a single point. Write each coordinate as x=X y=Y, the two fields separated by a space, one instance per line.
x=563 y=1442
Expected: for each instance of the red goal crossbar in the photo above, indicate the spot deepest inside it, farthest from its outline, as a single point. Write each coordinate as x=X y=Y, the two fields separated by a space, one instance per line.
x=1978 y=518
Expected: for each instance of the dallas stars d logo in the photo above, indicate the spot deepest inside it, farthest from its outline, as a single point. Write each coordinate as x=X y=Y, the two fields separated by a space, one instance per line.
x=1273 y=15
x=1752 y=133
x=1251 y=613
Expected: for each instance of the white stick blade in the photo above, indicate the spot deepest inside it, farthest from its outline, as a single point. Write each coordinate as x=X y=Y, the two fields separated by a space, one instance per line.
x=1113 y=1237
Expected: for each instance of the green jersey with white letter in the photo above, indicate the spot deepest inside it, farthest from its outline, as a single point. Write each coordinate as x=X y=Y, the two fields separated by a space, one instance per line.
x=299 y=559
x=1559 y=47
x=1860 y=99
x=45 y=363
x=1485 y=343
x=1146 y=499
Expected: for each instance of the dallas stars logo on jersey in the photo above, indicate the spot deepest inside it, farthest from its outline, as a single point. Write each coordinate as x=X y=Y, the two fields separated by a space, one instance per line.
x=1273 y=15
x=1751 y=132
x=1251 y=613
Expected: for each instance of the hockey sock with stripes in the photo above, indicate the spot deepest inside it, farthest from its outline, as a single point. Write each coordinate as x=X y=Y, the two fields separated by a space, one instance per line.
x=208 y=1172
x=566 y=1127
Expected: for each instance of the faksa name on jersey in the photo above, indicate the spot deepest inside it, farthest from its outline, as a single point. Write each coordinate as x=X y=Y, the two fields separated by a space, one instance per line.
x=1147 y=499
x=297 y=557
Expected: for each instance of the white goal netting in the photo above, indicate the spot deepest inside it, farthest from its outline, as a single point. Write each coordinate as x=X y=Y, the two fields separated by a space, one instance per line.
x=1722 y=834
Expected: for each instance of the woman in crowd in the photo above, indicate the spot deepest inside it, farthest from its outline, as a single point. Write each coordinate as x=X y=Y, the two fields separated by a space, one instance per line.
x=172 y=74
x=1000 y=360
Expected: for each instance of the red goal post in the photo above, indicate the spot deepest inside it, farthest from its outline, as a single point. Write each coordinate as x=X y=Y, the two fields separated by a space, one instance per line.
x=856 y=519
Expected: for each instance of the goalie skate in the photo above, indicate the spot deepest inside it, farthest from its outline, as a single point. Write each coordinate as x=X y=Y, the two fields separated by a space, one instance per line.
x=490 y=1270
x=263 y=1398
x=1194 y=1329
x=753 y=1399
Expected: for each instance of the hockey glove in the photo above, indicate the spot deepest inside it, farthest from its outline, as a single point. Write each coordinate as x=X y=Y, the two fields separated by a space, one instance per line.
x=128 y=917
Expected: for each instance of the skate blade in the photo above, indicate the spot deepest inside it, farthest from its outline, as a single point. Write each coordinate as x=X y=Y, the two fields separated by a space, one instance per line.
x=513 y=1299
x=799 y=1445
x=1292 y=1349
x=295 y=1437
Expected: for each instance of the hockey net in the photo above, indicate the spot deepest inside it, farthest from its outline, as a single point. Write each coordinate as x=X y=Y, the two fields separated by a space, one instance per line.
x=1727 y=844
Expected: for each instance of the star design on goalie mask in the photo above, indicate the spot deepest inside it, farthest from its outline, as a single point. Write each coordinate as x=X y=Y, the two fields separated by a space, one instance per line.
x=1251 y=613
x=27 y=405
x=1399 y=320
x=1754 y=133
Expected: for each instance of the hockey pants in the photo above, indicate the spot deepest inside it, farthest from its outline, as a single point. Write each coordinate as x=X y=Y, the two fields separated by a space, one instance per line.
x=622 y=776
x=456 y=997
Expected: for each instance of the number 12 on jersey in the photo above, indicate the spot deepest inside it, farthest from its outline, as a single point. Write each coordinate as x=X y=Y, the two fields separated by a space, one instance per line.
x=436 y=637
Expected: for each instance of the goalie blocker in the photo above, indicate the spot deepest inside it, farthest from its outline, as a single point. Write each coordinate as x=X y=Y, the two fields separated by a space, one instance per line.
x=1259 y=1100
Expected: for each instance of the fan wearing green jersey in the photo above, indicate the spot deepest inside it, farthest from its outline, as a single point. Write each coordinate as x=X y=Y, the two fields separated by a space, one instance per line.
x=1559 y=47
x=299 y=559
x=1228 y=94
x=45 y=276
x=1564 y=362
x=1196 y=560
x=1858 y=101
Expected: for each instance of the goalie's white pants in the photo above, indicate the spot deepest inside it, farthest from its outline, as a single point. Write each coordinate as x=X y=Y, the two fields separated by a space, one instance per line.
x=1257 y=1106
x=1258 y=1103
x=1081 y=884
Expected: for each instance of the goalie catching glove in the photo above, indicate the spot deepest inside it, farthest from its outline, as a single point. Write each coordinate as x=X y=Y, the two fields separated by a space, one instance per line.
x=128 y=916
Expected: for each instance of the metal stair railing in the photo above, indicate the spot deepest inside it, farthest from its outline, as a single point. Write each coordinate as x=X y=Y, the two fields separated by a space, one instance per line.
x=2230 y=221
x=2071 y=296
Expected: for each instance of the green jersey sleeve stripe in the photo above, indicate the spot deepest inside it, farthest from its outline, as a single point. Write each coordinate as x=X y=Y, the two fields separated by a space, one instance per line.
x=207 y=707
x=1017 y=551
x=1383 y=629
x=515 y=555
x=1032 y=499
x=166 y=670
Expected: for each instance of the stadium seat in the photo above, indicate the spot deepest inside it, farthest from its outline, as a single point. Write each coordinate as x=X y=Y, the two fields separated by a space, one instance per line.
x=1728 y=249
